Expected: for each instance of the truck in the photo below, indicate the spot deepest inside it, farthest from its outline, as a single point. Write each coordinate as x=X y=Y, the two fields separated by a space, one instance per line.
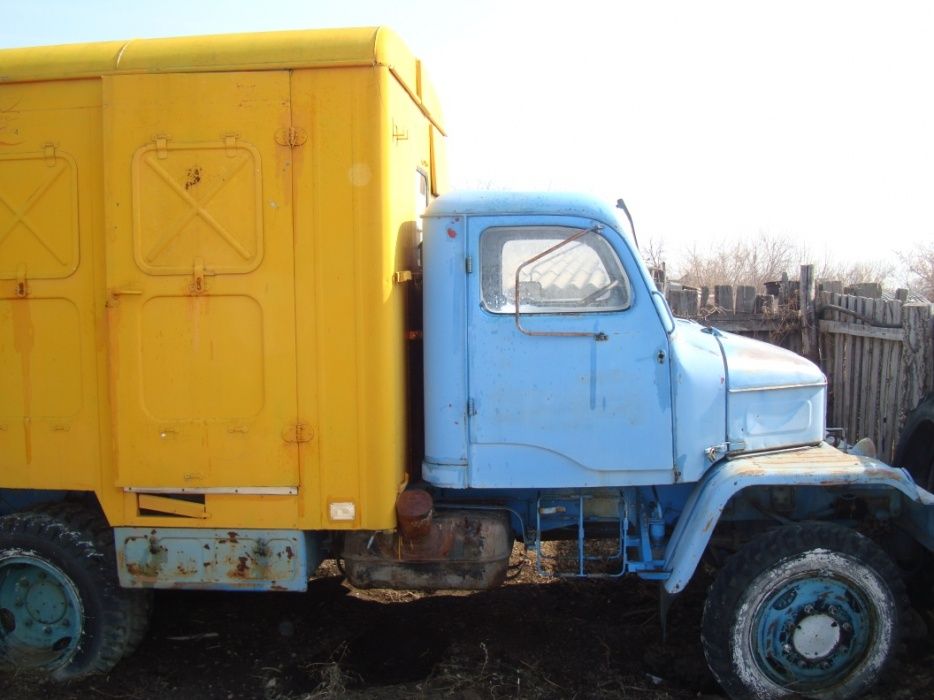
x=244 y=328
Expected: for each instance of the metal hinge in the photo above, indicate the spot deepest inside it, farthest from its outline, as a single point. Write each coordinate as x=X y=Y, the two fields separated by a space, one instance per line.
x=197 y=285
x=162 y=148
x=715 y=452
x=468 y=264
x=403 y=276
x=22 y=286
x=471 y=407
x=299 y=432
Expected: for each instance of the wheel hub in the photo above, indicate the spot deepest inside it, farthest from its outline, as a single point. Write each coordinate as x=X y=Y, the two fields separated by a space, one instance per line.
x=40 y=613
x=816 y=636
x=811 y=631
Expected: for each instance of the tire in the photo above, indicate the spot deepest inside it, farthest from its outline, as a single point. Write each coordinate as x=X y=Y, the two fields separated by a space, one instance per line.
x=62 y=612
x=807 y=610
x=915 y=450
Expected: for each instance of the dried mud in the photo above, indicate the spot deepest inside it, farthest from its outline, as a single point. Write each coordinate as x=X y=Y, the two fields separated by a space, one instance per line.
x=528 y=639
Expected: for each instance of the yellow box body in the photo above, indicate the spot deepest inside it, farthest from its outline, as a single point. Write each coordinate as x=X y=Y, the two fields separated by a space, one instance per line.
x=198 y=238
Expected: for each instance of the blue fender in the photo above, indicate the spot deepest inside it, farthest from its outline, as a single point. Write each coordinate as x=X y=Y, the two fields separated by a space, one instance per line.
x=822 y=465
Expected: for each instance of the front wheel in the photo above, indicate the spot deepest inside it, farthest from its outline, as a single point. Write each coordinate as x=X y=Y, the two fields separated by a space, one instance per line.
x=808 y=610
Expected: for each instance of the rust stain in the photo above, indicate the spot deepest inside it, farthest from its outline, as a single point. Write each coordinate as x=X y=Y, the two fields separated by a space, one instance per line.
x=143 y=572
x=242 y=569
x=289 y=553
x=233 y=537
x=24 y=339
x=193 y=177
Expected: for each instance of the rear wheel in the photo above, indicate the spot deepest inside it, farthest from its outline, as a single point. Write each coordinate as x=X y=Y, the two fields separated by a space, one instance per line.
x=915 y=451
x=807 y=610
x=62 y=612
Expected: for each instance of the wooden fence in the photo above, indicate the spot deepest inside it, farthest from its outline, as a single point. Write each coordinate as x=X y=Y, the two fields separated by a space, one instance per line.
x=878 y=354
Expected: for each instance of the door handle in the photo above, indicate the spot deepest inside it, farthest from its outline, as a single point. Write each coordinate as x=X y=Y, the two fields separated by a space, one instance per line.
x=112 y=296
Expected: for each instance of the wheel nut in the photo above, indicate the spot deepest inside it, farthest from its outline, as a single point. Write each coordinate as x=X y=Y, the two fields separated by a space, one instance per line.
x=809 y=609
x=47 y=630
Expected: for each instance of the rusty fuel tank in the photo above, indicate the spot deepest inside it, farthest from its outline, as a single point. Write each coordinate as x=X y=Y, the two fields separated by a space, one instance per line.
x=456 y=549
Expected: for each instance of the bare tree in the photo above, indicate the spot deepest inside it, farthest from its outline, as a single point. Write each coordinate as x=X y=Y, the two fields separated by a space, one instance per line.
x=746 y=261
x=879 y=271
x=920 y=264
x=653 y=253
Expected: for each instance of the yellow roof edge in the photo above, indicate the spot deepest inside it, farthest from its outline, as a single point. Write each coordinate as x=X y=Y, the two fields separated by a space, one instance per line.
x=280 y=50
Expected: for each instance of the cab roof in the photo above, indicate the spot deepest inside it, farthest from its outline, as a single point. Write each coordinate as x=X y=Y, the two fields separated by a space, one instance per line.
x=492 y=203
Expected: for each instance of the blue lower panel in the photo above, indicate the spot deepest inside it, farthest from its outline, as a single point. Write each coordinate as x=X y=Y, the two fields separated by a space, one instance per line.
x=245 y=560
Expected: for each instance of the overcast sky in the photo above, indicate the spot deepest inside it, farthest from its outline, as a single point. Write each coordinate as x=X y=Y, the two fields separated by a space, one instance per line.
x=813 y=120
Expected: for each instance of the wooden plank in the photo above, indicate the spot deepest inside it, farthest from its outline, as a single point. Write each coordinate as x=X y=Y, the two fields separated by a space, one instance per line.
x=878 y=359
x=885 y=356
x=853 y=367
x=745 y=299
x=871 y=290
x=838 y=365
x=723 y=297
x=865 y=370
x=873 y=380
x=891 y=334
x=916 y=322
x=895 y=388
x=767 y=323
x=844 y=365
x=806 y=306
x=824 y=347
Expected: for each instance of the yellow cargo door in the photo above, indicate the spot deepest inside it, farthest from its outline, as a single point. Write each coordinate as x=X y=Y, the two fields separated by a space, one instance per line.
x=49 y=430
x=200 y=281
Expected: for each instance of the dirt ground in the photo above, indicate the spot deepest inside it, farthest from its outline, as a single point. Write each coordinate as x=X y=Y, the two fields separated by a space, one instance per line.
x=528 y=639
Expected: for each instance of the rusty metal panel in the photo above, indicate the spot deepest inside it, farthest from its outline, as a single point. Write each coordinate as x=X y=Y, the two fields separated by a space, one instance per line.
x=252 y=560
x=460 y=550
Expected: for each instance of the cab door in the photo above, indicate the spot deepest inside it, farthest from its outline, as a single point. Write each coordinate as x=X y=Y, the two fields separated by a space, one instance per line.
x=573 y=391
x=200 y=268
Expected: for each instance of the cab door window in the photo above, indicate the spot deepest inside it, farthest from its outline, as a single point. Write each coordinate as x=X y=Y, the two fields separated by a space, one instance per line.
x=584 y=275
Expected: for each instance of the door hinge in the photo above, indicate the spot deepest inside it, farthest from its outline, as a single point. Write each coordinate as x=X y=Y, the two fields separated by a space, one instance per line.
x=49 y=152
x=471 y=407
x=468 y=264
x=715 y=452
x=22 y=286
x=298 y=433
x=197 y=285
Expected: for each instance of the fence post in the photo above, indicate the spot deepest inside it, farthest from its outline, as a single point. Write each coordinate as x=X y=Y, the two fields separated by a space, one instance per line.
x=917 y=356
x=806 y=306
